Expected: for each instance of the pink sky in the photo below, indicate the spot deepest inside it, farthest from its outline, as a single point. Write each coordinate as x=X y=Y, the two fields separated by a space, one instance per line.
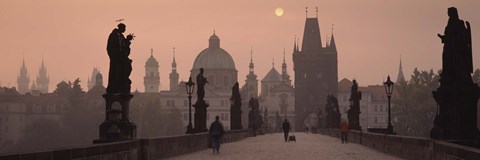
x=370 y=35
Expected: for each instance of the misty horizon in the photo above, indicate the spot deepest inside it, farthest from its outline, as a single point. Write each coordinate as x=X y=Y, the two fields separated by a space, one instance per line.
x=71 y=36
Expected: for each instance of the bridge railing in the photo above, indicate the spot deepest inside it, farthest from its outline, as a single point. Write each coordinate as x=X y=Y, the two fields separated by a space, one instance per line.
x=138 y=149
x=414 y=148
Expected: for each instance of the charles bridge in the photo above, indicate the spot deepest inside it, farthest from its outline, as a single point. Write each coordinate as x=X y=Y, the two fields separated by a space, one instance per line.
x=325 y=144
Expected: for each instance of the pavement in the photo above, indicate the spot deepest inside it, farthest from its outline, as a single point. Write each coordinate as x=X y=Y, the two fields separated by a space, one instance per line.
x=273 y=146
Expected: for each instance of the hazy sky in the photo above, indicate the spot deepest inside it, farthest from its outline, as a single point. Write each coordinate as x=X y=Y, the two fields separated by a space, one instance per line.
x=370 y=35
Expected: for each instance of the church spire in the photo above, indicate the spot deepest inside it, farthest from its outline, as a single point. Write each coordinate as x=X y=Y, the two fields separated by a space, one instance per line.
x=400 y=77
x=251 y=66
x=23 y=79
x=285 y=76
x=174 y=64
x=173 y=75
x=332 y=42
x=42 y=79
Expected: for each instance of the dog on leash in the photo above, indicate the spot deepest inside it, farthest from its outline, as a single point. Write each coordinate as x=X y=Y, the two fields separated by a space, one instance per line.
x=292 y=138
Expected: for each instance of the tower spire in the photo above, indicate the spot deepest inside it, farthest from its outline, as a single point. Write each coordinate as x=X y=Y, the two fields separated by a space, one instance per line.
x=173 y=54
x=316 y=10
x=151 y=51
x=400 y=76
x=251 y=66
x=295 y=44
x=251 y=54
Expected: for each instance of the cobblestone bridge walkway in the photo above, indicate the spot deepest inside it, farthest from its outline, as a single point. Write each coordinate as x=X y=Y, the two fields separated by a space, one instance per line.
x=272 y=146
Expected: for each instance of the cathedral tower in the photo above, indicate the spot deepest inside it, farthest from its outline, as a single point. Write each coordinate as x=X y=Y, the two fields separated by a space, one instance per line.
x=316 y=73
x=23 y=79
x=152 y=77
x=174 y=75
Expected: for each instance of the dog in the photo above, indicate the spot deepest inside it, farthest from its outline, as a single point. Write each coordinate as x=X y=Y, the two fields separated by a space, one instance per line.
x=292 y=138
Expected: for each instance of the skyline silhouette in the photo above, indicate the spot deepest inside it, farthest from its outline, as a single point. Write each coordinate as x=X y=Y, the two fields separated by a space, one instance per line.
x=370 y=35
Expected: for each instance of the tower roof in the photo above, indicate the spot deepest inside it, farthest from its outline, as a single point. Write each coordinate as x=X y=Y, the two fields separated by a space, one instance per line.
x=312 y=43
x=151 y=61
x=272 y=75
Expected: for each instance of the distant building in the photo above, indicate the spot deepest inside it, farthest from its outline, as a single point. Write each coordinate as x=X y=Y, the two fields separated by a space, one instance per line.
x=278 y=96
x=17 y=111
x=373 y=105
x=91 y=82
x=152 y=76
x=316 y=74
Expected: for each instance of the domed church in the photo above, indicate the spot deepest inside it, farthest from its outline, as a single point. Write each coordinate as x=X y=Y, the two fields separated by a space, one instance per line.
x=218 y=65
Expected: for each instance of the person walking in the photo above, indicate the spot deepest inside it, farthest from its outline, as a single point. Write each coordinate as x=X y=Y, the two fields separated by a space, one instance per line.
x=344 y=131
x=216 y=133
x=286 y=129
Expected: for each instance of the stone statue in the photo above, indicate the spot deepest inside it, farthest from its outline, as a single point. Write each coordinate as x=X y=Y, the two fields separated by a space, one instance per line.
x=118 y=49
x=236 y=94
x=201 y=81
x=457 y=49
x=353 y=114
x=332 y=117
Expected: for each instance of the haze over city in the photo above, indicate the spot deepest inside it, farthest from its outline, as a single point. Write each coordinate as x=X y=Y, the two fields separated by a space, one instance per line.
x=370 y=35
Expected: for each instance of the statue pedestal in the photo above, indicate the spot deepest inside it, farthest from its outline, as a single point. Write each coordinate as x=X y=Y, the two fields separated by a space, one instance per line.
x=200 y=116
x=354 y=120
x=456 y=120
x=117 y=126
x=236 y=117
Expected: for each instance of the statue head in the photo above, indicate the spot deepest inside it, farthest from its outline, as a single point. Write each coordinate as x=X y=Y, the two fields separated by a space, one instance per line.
x=286 y=120
x=121 y=27
x=217 y=117
x=201 y=70
x=452 y=12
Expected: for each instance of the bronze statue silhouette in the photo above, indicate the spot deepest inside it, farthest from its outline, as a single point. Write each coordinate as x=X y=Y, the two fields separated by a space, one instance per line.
x=201 y=82
x=457 y=49
x=118 y=49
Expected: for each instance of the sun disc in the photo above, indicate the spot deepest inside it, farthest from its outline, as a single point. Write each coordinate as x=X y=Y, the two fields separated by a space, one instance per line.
x=279 y=11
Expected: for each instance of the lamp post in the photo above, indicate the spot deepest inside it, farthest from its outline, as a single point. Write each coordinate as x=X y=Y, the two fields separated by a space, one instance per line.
x=389 y=89
x=190 y=87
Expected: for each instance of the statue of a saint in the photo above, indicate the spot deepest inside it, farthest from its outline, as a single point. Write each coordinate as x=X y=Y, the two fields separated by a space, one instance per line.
x=118 y=49
x=201 y=81
x=457 y=52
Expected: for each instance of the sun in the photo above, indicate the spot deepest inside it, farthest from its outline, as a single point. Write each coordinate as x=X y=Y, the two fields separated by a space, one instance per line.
x=279 y=11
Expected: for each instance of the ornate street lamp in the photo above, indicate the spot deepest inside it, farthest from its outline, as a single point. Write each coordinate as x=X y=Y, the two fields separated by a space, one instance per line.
x=190 y=86
x=389 y=90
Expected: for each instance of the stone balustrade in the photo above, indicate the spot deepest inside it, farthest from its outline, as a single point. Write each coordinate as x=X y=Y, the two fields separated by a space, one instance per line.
x=138 y=149
x=414 y=148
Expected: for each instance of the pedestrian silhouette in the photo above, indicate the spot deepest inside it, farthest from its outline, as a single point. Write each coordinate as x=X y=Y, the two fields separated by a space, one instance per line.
x=286 y=129
x=216 y=133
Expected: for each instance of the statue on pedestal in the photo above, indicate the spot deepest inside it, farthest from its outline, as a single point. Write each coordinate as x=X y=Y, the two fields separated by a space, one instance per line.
x=200 y=106
x=353 y=113
x=236 y=108
x=118 y=49
x=117 y=125
x=457 y=96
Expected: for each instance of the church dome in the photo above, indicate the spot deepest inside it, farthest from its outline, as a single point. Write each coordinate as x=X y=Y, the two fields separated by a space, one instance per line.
x=214 y=57
x=151 y=61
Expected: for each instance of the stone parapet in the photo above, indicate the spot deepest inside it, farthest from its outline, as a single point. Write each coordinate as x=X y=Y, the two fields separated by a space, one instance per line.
x=414 y=148
x=137 y=149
